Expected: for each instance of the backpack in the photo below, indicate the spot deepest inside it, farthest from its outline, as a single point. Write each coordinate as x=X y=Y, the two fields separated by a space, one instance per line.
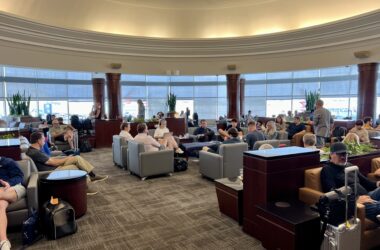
x=180 y=165
x=58 y=220
x=30 y=229
x=85 y=146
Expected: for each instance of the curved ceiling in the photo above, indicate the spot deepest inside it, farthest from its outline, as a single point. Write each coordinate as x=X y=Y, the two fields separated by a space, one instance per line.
x=187 y=19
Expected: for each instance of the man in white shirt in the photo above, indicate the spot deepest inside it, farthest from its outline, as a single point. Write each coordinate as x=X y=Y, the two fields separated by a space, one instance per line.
x=125 y=128
x=150 y=144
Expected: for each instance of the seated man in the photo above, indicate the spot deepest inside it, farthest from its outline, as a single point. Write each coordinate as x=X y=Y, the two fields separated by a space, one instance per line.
x=253 y=135
x=62 y=133
x=11 y=190
x=234 y=124
x=150 y=144
x=46 y=163
x=203 y=132
x=295 y=127
x=234 y=138
x=309 y=141
x=332 y=177
x=360 y=131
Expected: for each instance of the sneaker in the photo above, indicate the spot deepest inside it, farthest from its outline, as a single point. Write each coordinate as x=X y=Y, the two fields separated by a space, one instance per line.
x=98 y=177
x=179 y=151
x=5 y=245
x=90 y=191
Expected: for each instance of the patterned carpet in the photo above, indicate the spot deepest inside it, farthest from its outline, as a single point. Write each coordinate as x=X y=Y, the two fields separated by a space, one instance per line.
x=177 y=212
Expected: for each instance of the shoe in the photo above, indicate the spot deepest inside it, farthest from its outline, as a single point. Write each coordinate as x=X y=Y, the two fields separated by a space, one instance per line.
x=5 y=245
x=90 y=191
x=97 y=178
x=179 y=151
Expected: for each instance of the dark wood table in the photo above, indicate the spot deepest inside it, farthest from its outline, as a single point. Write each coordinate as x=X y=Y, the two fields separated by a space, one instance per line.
x=293 y=227
x=273 y=175
x=104 y=130
x=68 y=185
x=375 y=141
x=230 y=197
x=9 y=133
x=10 y=148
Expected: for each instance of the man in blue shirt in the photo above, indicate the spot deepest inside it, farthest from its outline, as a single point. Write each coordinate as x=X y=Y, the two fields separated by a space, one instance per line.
x=11 y=190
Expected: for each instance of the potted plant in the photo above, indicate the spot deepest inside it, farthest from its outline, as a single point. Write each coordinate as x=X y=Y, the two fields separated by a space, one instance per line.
x=311 y=98
x=171 y=102
x=19 y=104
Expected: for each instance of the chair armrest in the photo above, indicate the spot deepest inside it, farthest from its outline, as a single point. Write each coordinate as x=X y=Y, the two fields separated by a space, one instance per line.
x=361 y=215
x=309 y=196
x=32 y=192
x=210 y=164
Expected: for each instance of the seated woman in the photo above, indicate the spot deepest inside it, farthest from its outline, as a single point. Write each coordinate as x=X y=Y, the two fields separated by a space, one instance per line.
x=368 y=123
x=280 y=123
x=96 y=111
x=125 y=127
x=351 y=138
x=163 y=135
x=271 y=132
x=360 y=131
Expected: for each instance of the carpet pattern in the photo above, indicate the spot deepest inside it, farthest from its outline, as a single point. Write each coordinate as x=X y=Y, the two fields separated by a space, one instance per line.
x=177 y=212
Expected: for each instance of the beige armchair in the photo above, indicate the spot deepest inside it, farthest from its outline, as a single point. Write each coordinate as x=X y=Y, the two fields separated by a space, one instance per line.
x=311 y=193
x=19 y=211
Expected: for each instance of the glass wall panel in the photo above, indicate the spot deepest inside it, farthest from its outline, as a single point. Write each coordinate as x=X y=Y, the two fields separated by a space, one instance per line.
x=256 y=104
x=335 y=88
x=2 y=108
x=338 y=71
x=19 y=72
x=206 y=107
x=281 y=89
x=80 y=91
x=206 y=91
x=276 y=107
x=299 y=89
x=337 y=106
x=182 y=91
x=298 y=105
x=157 y=91
x=353 y=108
x=15 y=87
x=59 y=108
x=255 y=90
x=52 y=90
x=153 y=106
x=80 y=108
x=51 y=74
x=133 y=91
x=306 y=73
x=182 y=105
x=279 y=75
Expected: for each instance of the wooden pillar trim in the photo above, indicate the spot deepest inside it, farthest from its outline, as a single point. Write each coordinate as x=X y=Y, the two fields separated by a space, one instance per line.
x=242 y=96
x=233 y=95
x=367 y=90
x=98 y=92
x=114 y=95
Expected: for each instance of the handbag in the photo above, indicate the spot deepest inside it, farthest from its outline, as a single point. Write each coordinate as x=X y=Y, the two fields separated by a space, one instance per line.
x=30 y=229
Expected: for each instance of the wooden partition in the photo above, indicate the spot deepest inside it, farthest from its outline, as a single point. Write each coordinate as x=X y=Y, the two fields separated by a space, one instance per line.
x=104 y=130
x=177 y=125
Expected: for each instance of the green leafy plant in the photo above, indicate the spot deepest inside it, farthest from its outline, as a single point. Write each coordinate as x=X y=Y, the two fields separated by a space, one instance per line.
x=353 y=149
x=171 y=102
x=19 y=104
x=311 y=98
x=138 y=120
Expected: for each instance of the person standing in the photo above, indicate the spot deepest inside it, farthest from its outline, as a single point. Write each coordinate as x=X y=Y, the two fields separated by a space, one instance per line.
x=322 y=122
x=187 y=113
x=141 y=109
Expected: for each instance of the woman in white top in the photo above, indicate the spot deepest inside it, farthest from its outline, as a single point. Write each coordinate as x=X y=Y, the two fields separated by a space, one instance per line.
x=163 y=135
x=125 y=128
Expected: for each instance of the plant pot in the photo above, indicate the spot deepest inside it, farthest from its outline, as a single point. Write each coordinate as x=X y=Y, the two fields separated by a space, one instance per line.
x=170 y=114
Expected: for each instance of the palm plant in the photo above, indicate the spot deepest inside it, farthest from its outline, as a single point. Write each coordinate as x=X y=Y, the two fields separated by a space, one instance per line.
x=311 y=98
x=171 y=102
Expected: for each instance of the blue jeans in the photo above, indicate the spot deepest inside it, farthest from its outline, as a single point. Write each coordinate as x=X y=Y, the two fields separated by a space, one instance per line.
x=373 y=209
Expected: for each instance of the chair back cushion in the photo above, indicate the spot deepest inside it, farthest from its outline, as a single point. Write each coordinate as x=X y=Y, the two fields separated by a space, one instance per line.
x=134 y=150
x=232 y=158
x=119 y=141
x=282 y=135
x=26 y=170
x=313 y=178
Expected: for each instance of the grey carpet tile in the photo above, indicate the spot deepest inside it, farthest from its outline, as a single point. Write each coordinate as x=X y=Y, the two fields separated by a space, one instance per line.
x=166 y=212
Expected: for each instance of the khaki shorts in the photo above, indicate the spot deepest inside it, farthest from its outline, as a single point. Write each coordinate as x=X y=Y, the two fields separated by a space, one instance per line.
x=20 y=191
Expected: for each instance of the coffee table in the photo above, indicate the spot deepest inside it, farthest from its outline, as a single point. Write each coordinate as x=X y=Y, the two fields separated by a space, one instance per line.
x=68 y=185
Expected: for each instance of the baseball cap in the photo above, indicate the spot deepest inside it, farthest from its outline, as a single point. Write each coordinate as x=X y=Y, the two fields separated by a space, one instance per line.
x=338 y=148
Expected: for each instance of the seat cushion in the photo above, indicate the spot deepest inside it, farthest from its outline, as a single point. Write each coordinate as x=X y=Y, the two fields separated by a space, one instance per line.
x=18 y=205
x=313 y=178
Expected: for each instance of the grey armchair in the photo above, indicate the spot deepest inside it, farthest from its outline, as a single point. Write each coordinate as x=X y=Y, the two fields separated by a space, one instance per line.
x=274 y=143
x=227 y=163
x=120 y=151
x=145 y=164
x=19 y=211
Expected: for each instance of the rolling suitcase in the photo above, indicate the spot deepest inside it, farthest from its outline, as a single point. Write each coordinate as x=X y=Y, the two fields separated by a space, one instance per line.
x=345 y=235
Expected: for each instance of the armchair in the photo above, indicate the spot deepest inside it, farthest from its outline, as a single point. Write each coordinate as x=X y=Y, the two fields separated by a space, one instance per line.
x=120 y=151
x=313 y=190
x=227 y=163
x=146 y=164
x=19 y=211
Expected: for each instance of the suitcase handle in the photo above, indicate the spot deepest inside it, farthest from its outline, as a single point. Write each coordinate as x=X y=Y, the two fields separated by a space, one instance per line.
x=348 y=170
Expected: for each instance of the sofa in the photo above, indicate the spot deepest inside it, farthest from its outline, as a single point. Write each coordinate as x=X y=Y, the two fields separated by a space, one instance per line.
x=120 y=151
x=226 y=163
x=145 y=164
x=311 y=193
x=19 y=211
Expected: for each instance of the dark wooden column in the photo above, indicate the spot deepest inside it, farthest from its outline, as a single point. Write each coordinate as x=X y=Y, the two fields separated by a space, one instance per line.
x=242 y=93
x=233 y=92
x=98 y=92
x=114 y=95
x=367 y=90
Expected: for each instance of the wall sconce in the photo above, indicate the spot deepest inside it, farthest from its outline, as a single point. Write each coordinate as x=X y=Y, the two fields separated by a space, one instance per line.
x=173 y=72
x=115 y=65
